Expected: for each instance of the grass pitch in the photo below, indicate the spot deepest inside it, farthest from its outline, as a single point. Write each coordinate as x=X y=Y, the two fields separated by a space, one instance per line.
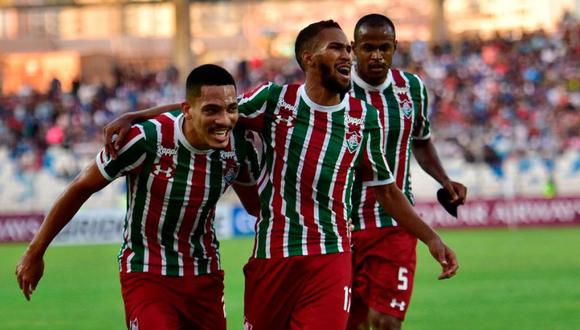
x=508 y=279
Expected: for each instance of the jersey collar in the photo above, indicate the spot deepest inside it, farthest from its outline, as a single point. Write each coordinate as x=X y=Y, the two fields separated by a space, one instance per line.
x=326 y=108
x=359 y=81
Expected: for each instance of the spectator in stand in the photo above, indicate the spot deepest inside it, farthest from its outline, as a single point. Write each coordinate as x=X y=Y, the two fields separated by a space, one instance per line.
x=526 y=86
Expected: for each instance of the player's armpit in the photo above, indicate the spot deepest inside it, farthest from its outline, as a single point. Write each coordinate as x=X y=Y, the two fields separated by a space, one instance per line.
x=248 y=195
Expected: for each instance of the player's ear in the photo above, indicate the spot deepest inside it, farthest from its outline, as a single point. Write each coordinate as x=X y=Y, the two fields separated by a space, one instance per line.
x=396 y=43
x=307 y=58
x=185 y=107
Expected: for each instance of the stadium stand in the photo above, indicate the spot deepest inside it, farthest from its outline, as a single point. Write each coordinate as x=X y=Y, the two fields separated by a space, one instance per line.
x=505 y=112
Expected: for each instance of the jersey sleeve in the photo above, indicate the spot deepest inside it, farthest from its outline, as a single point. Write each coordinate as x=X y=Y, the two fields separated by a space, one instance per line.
x=422 y=127
x=373 y=167
x=130 y=158
x=252 y=107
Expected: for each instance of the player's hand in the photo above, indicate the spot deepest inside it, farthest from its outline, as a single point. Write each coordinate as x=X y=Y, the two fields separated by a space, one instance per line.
x=115 y=132
x=349 y=225
x=457 y=191
x=445 y=257
x=29 y=271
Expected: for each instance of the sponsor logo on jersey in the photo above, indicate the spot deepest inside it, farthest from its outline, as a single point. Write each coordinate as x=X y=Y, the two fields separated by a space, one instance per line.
x=164 y=169
x=231 y=165
x=353 y=134
x=162 y=151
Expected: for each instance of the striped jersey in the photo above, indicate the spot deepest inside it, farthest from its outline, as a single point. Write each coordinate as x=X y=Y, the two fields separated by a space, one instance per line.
x=310 y=153
x=172 y=190
x=402 y=104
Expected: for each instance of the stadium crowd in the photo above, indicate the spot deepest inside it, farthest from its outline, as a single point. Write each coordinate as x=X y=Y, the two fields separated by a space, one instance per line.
x=490 y=99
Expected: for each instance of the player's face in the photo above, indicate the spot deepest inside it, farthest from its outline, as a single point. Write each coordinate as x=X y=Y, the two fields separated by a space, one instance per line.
x=210 y=118
x=333 y=60
x=374 y=50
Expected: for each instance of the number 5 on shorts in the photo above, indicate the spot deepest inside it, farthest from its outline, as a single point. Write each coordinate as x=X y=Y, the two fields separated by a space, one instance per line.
x=403 y=279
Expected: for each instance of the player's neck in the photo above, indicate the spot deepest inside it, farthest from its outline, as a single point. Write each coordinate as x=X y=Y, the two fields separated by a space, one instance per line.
x=319 y=94
x=192 y=136
x=376 y=82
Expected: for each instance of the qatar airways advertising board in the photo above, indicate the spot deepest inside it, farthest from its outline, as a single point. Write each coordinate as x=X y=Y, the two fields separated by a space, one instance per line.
x=231 y=220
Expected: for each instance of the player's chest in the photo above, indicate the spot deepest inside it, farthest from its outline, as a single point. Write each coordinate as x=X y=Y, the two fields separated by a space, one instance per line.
x=299 y=130
x=174 y=172
x=398 y=112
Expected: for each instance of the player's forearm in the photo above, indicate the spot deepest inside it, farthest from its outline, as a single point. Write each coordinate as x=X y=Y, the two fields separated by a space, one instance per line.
x=397 y=205
x=149 y=113
x=57 y=218
x=426 y=156
x=66 y=206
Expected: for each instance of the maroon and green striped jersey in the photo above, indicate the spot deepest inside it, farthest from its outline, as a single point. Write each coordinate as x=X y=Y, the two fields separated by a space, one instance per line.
x=172 y=191
x=402 y=104
x=310 y=156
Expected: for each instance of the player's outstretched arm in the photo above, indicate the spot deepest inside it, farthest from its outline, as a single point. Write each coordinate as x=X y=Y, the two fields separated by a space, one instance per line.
x=121 y=125
x=30 y=268
x=426 y=155
x=396 y=204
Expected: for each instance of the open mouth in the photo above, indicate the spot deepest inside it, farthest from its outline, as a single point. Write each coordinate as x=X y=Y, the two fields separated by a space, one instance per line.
x=220 y=134
x=344 y=70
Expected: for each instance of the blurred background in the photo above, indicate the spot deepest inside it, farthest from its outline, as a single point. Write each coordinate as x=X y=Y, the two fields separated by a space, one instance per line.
x=503 y=81
x=504 y=90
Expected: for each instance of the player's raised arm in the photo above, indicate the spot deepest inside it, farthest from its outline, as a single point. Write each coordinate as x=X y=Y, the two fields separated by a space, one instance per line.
x=30 y=268
x=115 y=131
x=397 y=205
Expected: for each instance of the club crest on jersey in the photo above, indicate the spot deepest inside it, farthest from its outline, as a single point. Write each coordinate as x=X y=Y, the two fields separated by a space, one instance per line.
x=405 y=102
x=286 y=114
x=134 y=325
x=231 y=166
x=353 y=133
x=163 y=169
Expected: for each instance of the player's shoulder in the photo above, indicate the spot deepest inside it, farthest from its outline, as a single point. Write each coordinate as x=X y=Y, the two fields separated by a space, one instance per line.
x=160 y=123
x=401 y=77
x=362 y=109
x=356 y=104
x=265 y=87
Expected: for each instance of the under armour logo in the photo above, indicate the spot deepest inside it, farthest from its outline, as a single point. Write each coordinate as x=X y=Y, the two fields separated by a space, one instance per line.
x=401 y=305
x=158 y=168
x=247 y=325
x=285 y=116
x=134 y=325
